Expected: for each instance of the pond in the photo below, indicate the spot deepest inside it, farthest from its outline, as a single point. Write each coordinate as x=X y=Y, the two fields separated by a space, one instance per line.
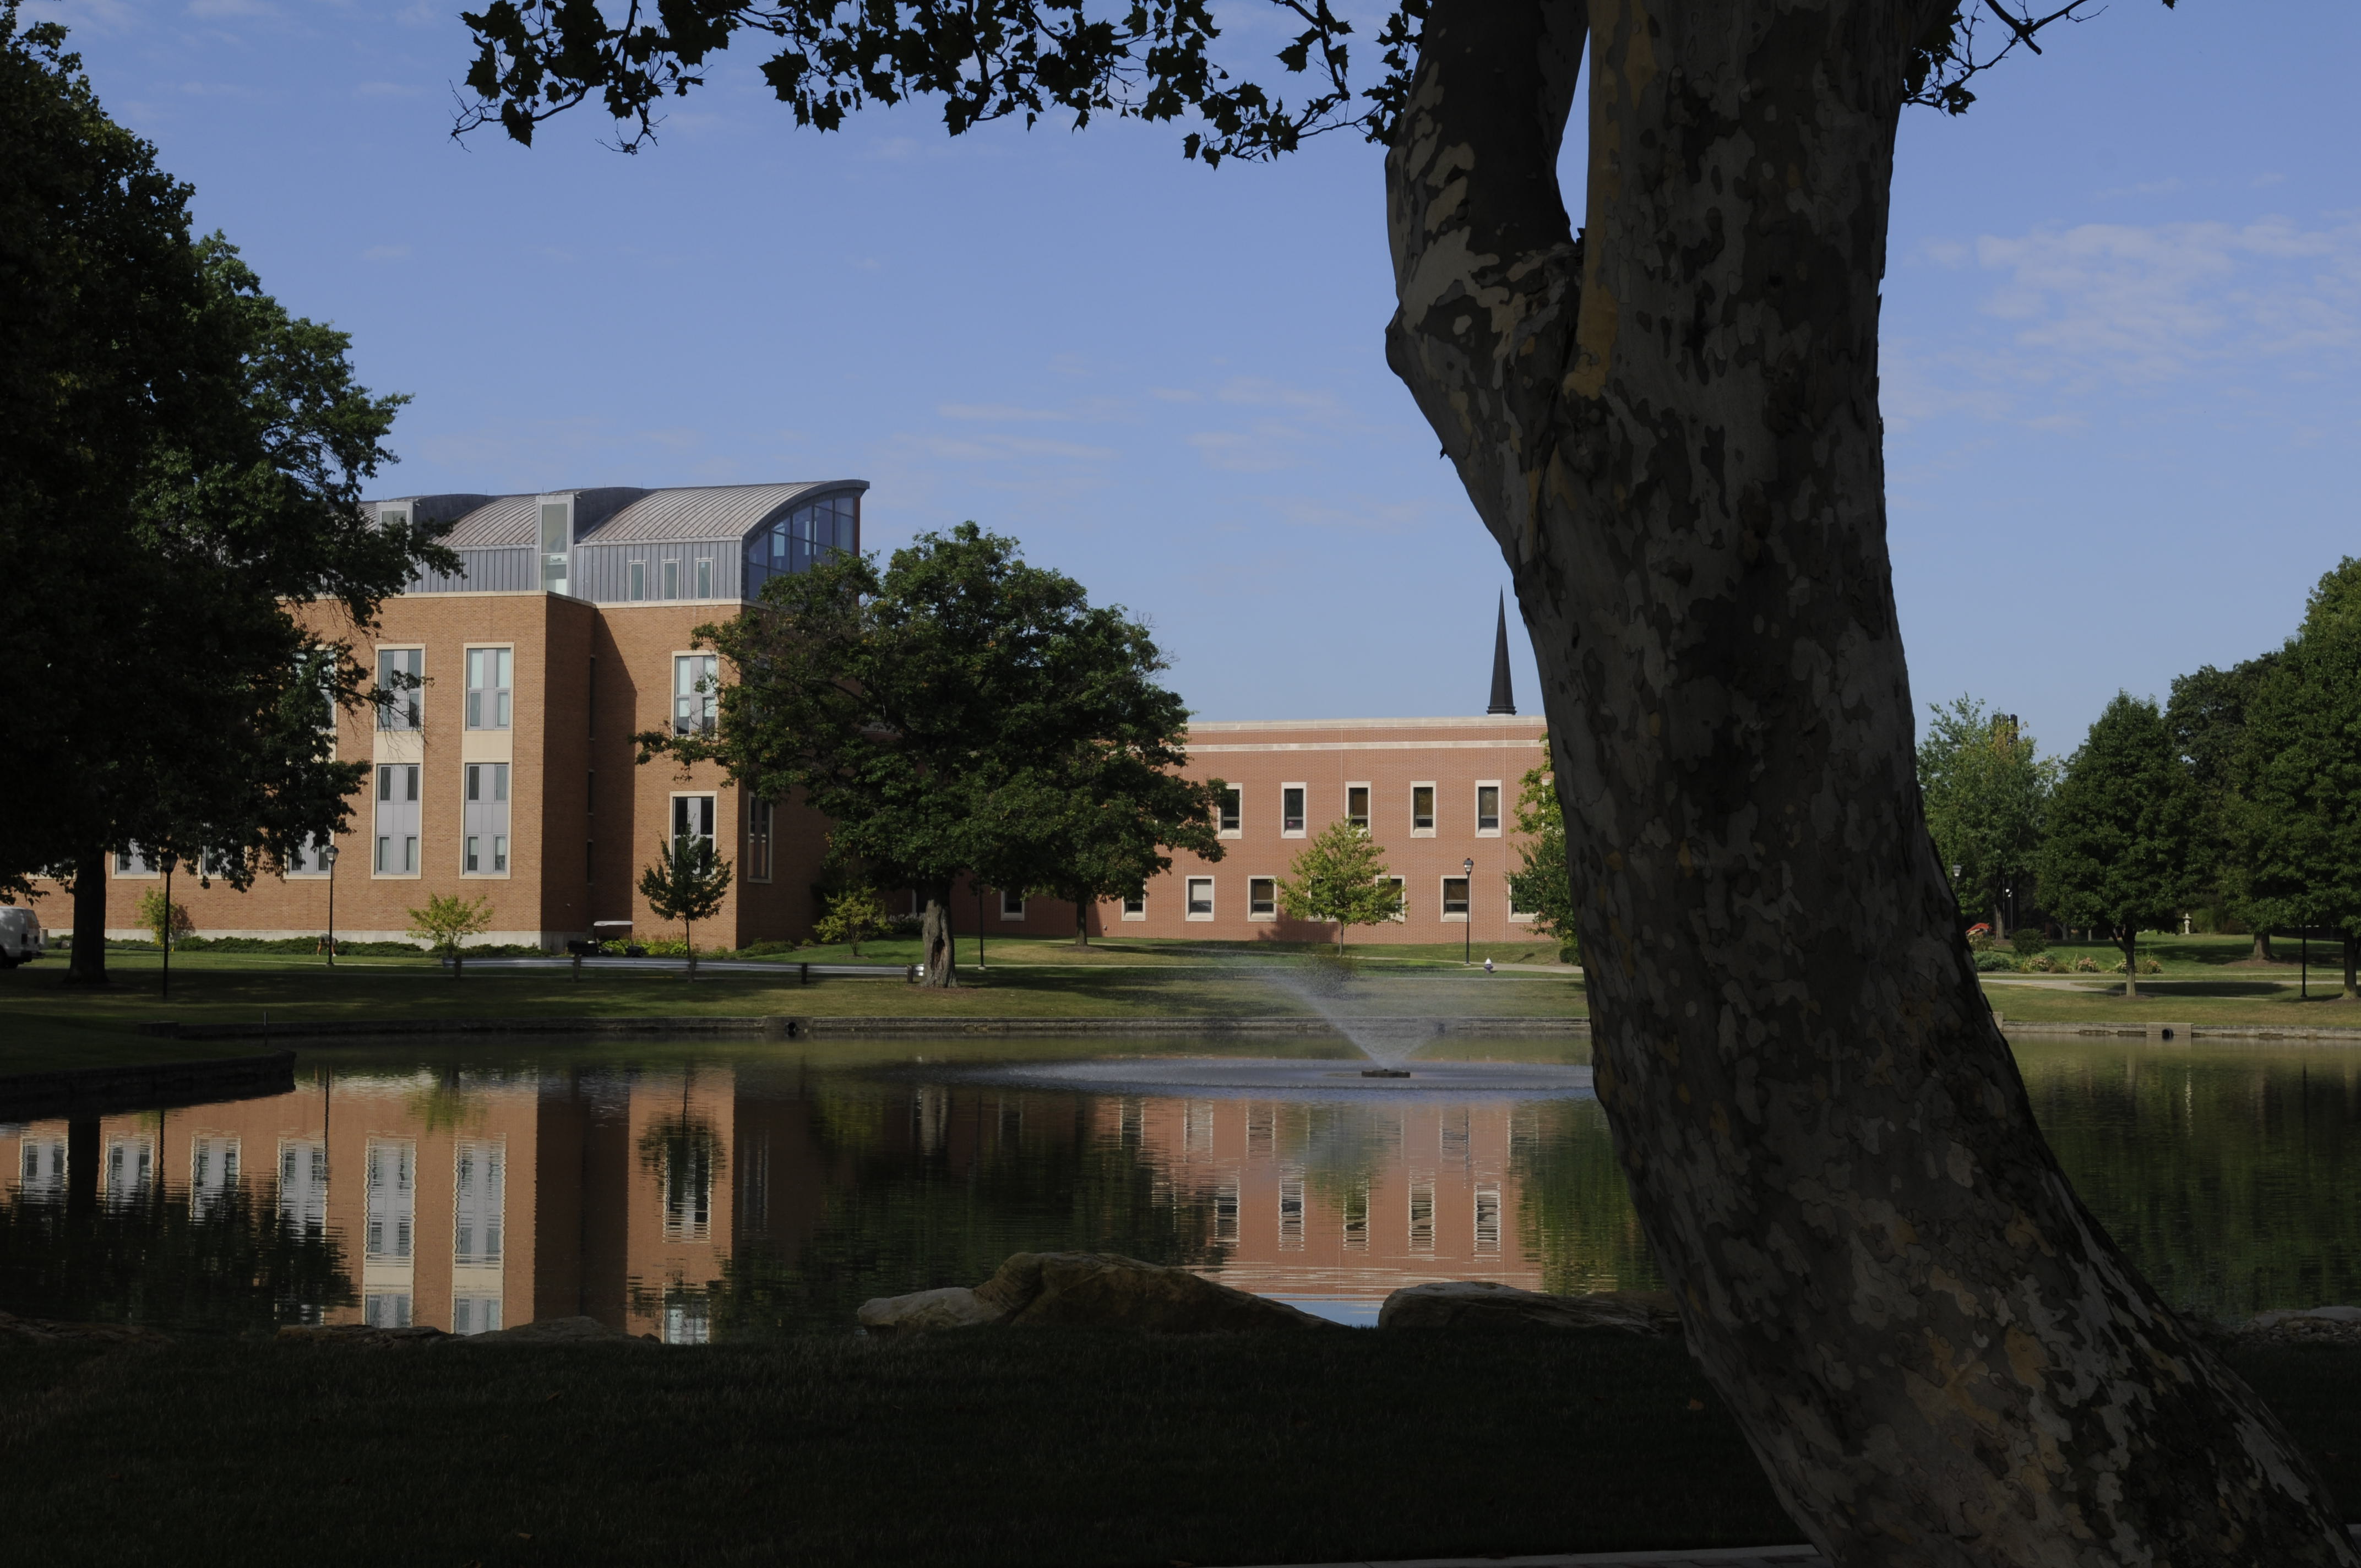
x=700 y=1193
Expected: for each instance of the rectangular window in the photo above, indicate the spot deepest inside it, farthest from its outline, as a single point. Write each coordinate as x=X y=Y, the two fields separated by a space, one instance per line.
x=396 y=820
x=1234 y=810
x=758 y=841
x=638 y=589
x=399 y=675
x=213 y=1174
x=1291 y=811
x=488 y=688
x=1291 y=1212
x=1422 y=1215
x=694 y=703
x=1488 y=1220
x=555 y=552
x=1200 y=898
x=704 y=576
x=475 y=1314
x=1134 y=907
x=1455 y=898
x=1487 y=809
x=393 y=1172
x=590 y=702
x=1401 y=901
x=1421 y=811
x=386 y=1309
x=304 y=1188
x=1517 y=910
x=133 y=861
x=1226 y=1213
x=478 y=1202
x=692 y=816
x=1262 y=898
x=1356 y=806
x=671 y=579
x=1012 y=906
x=311 y=857
x=486 y=825
x=1355 y=1215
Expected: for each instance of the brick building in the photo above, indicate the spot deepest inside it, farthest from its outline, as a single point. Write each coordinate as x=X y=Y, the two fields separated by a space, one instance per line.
x=509 y=771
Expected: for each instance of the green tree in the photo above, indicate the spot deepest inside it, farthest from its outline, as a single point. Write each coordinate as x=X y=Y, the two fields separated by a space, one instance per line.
x=2115 y=857
x=687 y=883
x=183 y=464
x=1339 y=879
x=1985 y=793
x=2208 y=718
x=1667 y=420
x=2302 y=820
x=167 y=917
x=1100 y=821
x=852 y=916
x=930 y=710
x=446 y=921
x=1541 y=882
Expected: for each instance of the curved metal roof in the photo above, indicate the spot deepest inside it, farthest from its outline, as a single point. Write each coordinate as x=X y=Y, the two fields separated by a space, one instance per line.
x=722 y=511
x=615 y=515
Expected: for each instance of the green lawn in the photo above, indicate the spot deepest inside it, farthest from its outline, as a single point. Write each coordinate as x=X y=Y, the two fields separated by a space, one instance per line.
x=976 y=1449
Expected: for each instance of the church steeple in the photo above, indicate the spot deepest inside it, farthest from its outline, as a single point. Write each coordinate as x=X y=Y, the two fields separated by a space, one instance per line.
x=1503 y=699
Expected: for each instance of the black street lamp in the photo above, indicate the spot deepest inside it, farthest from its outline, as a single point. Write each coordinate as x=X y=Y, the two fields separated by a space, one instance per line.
x=1467 y=932
x=329 y=855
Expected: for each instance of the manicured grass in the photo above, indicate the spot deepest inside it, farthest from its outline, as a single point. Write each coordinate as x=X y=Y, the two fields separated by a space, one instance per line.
x=973 y=1449
x=2260 y=1003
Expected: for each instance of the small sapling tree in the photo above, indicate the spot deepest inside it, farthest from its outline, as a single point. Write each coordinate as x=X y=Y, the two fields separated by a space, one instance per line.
x=165 y=918
x=852 y=917
x=448 y=920
x=1539 y=885
x=687 y=883
x=1340 y=880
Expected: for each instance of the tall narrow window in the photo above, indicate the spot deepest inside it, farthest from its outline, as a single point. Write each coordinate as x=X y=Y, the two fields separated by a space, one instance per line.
x=304 y=1188
x=694 y=703
x=393 y=1172
x=590 y=705
x=758 y=841
x=1234 y=810
x=1262 y=898
x=671 y=579
x=1290 y=1211
x=488 y=689
x=213 y=1175
x=399 y=672
x=397 y=819
x=555 y=553
x=692 y=816
x=1422 y=809
x=1422 y=1215
x=478 y=1202
x=1356 y=806
x=639 y=590
x=704 y=576
x=1291 y=811
x=1487 y=808
x=486 y=829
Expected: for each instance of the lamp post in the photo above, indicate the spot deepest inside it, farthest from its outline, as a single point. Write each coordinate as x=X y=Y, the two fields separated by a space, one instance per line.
x=1467 y=932
x=329 y=855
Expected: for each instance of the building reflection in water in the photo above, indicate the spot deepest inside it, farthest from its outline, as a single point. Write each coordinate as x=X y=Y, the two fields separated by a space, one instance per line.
x=733 y=1200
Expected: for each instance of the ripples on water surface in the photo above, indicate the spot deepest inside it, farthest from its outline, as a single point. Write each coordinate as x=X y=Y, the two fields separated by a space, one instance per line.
x=701 y=1192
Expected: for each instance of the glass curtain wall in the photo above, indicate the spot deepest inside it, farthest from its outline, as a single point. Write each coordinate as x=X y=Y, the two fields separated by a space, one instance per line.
x=802 y=539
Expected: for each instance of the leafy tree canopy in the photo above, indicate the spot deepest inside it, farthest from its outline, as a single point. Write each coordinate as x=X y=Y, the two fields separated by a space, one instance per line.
x=687 y=883
x=1339 y=879
x=2116 y=854
x=1985 y=795
x=1541 y=882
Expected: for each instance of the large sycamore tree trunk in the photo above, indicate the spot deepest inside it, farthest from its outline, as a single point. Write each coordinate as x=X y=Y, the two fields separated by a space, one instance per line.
x=87 y=963
x=1672 y=428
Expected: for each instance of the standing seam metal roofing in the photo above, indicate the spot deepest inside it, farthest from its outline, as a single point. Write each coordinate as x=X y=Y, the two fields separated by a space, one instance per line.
x=706 y=512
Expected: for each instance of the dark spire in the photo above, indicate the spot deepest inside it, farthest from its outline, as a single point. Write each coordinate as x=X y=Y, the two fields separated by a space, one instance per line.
x=1503 y=699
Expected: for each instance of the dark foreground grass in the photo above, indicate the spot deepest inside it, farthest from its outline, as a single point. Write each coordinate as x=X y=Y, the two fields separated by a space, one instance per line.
x=978 y=1449
x=974 y=1449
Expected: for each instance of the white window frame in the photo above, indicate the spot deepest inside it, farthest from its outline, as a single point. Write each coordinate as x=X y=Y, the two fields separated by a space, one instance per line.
x=1366 y=821
x=1231 y=822
x=1442 y=898
x=414 y=699
x=1261 y=912
x=1499 y=809
x=495 y=783
x=1136 y=908
x=1415 y=830
x=672 y=815
x=561 y=557
x=381 y=863
x=502 y=659
x=1509 y=893
x=670 y=577
x=1189 y=898
x=1401 y=900
x=307 y=864
x=704 y=575
x=1303 y=818
x=635 y=590
x=711 y=697
x=133 y=862
x=1008 y=914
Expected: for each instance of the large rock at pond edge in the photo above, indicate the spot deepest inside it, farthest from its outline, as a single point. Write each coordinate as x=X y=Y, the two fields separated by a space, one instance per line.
x=1479 y=1304
x=2313 y=1325
x=1087 y=1290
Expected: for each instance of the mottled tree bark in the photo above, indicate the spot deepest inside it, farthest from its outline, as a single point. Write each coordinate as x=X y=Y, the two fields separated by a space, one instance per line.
x=2262 y=953
x=937 y=960
x=1671 y=427
x=2127 y=943
x=86 y=965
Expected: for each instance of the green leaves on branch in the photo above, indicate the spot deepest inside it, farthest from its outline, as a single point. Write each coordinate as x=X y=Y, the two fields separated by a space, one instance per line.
x=1542 y=883
x=687 y=884
x=447 y=921
x=1339 y=879
x=1985 y=795
x=2116 y=857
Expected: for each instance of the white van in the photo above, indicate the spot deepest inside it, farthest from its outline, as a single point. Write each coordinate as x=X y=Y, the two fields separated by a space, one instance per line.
x=21 y=936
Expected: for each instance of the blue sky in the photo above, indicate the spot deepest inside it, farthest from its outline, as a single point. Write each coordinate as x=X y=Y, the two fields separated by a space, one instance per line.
x=2122 y=313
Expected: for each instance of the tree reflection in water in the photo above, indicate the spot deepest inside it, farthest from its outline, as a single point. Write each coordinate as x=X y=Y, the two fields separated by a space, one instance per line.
x=228 y=1264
